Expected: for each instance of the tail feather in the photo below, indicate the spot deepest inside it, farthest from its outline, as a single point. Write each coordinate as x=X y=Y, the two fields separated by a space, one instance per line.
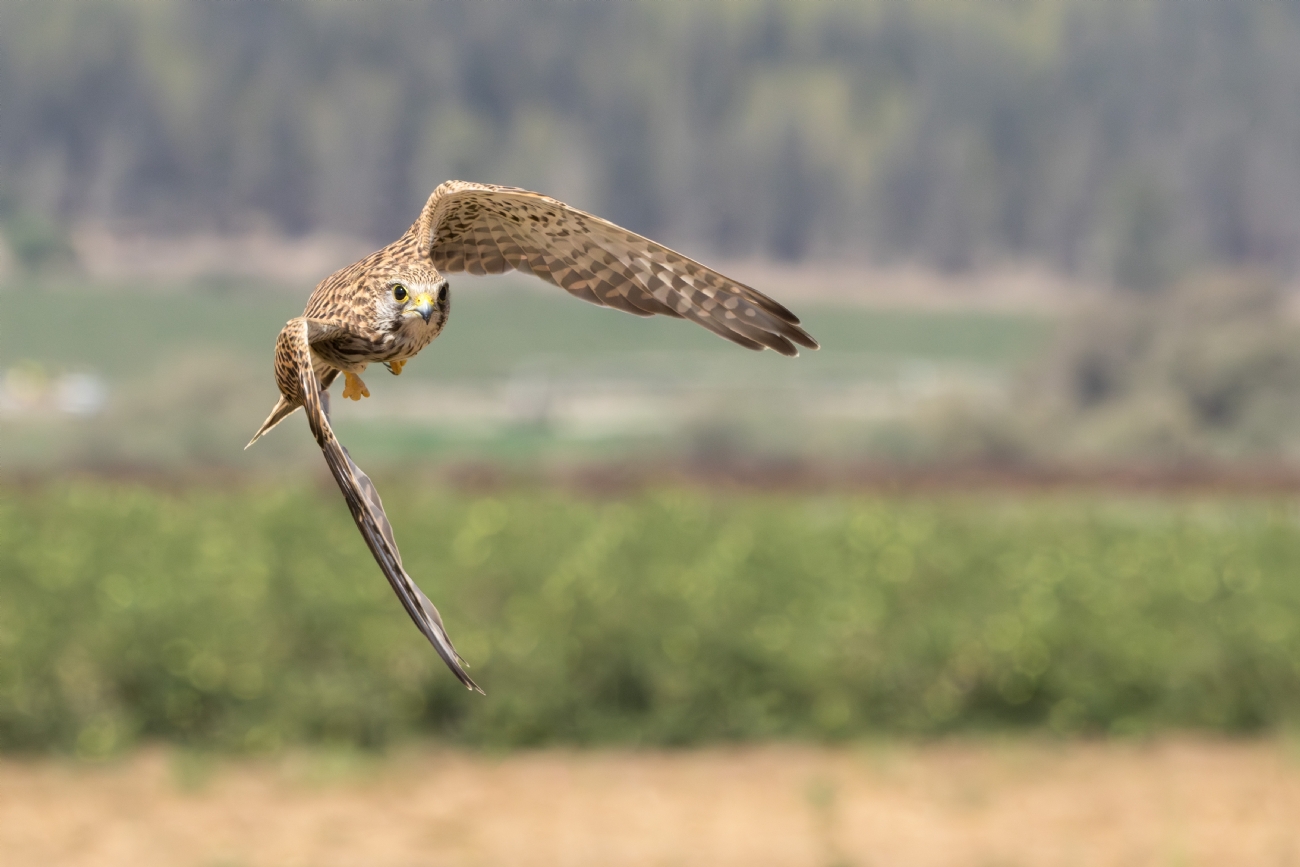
x=283 y=409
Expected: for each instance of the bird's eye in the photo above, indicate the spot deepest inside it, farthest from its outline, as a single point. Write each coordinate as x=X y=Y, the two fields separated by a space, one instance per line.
x=400 y=293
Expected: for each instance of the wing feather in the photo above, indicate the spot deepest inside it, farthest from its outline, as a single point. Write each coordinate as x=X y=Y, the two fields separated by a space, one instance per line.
x=368 y=512
x=487 y=229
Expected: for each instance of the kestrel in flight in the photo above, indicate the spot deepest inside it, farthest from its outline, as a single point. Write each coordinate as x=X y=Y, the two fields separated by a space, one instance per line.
x=391 y=304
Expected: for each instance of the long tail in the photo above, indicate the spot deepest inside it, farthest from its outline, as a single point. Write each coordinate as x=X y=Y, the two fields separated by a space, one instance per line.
x=283 y=409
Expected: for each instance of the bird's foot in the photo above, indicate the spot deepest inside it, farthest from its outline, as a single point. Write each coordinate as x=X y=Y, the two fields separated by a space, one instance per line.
x=395 y=367
x=354 y=388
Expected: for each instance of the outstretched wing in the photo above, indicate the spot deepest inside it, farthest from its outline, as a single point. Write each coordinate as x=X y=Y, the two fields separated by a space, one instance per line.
x=486 y=229
x=368 y=510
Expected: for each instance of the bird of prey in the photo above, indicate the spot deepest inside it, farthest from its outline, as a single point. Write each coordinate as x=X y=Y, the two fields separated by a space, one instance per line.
x=391 y=304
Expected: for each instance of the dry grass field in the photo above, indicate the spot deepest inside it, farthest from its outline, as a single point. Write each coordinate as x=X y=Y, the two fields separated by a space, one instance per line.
x=1015 y=802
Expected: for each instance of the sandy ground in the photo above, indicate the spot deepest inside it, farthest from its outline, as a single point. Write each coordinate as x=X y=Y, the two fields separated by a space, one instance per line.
x=1174 y=802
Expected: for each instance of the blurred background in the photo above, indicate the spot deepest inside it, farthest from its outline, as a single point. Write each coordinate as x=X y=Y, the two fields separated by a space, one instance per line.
x=1023 y=532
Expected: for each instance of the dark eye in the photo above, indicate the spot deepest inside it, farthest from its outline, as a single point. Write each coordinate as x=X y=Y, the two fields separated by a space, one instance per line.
x=400 y=293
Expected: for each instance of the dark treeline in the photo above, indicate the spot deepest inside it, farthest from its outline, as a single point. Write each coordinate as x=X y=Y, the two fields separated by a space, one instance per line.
x=1128 y=141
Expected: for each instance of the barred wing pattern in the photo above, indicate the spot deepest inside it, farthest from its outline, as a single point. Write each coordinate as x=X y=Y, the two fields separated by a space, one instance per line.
x=487 y=229
x=368 y=510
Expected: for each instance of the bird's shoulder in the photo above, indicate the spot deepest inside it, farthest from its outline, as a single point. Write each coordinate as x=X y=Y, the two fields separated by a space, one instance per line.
x=346 y=296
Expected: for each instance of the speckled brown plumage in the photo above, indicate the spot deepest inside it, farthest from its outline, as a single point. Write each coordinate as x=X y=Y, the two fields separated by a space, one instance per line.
x=391 y=304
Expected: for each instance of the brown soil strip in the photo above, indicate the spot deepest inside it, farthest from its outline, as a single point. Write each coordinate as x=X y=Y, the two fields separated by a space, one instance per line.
x=741 y=474
x=744 y=475
x=1183 y=802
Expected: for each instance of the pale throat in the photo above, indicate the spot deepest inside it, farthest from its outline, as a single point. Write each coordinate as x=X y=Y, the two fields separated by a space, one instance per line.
x=414 y=333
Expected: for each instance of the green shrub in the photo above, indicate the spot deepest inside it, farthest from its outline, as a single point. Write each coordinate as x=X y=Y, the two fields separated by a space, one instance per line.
x=249 y=618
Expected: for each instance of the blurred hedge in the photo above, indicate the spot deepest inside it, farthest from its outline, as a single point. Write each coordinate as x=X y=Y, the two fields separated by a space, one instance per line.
x=249 y=618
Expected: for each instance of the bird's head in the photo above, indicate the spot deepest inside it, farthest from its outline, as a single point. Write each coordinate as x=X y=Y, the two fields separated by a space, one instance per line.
x=413 y=295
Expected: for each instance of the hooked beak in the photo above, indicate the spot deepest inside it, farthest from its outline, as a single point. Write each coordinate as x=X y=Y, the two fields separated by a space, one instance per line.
x=424 y=305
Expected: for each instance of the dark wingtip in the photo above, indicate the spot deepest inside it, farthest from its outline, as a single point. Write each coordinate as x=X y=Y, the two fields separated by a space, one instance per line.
x=784 y=346
x=784 y=338
x=459 y=671
x=803 y=338
x=771 y=305
x=467 y=681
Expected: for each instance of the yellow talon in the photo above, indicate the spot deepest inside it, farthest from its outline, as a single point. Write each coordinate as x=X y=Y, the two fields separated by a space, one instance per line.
x=354 y=388
x=395 y=367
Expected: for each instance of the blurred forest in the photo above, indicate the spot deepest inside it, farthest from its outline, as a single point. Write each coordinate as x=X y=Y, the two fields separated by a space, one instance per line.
x=1125 y=142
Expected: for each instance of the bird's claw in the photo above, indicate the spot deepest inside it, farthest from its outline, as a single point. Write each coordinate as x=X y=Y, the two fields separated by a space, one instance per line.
x=395 y=367
x=354 y=388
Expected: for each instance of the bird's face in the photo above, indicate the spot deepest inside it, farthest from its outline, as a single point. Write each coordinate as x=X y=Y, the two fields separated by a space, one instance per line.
x=417 y=300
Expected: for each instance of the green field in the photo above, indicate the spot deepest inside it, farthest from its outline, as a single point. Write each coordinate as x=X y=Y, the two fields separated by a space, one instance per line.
x=246 y=618
x=496 y=326
x=187 y=370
